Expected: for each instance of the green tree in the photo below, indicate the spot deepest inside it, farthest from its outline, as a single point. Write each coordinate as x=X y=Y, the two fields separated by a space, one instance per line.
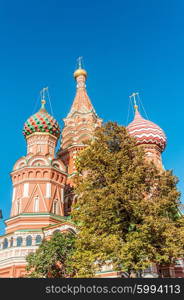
x=127 y=210
x=53 y=257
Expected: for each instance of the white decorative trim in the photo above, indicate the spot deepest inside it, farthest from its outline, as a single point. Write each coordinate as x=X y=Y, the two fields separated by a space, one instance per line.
x=61 y=228
x=38 y=159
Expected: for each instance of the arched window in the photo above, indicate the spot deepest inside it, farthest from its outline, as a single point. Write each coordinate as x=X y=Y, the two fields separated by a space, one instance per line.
x=5 y=243
x=11 y=242
x=36 y=204
x=38 y=239
x=19 y=241
x=29 y=240
x=55 y=207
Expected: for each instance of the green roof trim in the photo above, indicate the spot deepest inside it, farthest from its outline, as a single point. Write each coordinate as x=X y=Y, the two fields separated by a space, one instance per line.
x=56 y=217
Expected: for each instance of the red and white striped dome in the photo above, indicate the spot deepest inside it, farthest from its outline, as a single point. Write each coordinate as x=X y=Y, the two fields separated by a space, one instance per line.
x=146 y=132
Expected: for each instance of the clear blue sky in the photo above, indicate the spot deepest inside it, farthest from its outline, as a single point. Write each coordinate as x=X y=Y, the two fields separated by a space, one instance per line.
x=134 y=45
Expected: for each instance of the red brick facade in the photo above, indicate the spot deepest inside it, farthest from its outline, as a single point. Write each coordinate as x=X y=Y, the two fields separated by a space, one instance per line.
x=42 y=181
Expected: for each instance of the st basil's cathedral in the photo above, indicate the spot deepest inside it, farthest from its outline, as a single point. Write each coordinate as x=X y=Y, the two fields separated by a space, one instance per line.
x=42 y=180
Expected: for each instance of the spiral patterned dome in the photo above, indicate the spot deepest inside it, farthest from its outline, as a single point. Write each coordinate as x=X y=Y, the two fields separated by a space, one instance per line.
x=41 y=122
x=146 y=132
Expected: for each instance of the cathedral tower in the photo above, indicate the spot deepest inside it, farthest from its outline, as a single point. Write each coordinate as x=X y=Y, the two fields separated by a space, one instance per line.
x=38 y=178
x=80 y=123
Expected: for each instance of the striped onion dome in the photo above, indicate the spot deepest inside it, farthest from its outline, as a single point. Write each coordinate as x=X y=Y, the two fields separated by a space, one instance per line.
x=146 y=132
x=41 y=122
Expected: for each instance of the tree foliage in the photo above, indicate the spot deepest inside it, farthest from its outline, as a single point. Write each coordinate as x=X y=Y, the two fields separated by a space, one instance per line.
x=127 y=210
x=53 y=257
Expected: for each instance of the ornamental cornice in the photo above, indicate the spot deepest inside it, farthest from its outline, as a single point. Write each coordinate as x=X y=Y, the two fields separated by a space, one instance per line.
x=40 y=168
x=43 y=180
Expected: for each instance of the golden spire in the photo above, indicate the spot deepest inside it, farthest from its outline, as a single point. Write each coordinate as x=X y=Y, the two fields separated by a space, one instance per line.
x=80 y=70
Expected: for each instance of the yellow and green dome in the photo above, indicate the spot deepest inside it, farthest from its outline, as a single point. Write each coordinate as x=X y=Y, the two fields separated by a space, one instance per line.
x=41 y=122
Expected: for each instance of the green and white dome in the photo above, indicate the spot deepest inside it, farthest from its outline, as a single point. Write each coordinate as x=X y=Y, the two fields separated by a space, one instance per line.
x=41 y=121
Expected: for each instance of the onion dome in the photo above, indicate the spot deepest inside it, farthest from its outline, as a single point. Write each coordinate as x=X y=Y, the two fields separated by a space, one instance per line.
x=41 y=122
x=80 y=72
x=146 y=132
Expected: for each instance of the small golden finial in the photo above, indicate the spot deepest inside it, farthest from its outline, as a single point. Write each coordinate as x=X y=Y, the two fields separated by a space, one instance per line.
x=80 y=70
x=134 y=99
x=42 y=93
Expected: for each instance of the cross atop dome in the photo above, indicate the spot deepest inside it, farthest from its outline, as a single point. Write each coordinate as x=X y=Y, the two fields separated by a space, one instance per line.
x=134 y=98
x=80 y=70
x=80 y=62
x=42 y=95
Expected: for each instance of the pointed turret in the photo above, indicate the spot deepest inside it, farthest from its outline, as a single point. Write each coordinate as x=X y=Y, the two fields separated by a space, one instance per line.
x=81 y=103
x=82 y=119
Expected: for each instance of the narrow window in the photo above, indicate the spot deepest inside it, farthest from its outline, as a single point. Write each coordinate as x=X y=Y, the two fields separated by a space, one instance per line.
x=55 y=205
x=36 y=204
x=19 y=241
x=38 y=239
x=11 y=242
x=5 y=243
x=29 y=240
x=26 y=190
x=48 y=190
